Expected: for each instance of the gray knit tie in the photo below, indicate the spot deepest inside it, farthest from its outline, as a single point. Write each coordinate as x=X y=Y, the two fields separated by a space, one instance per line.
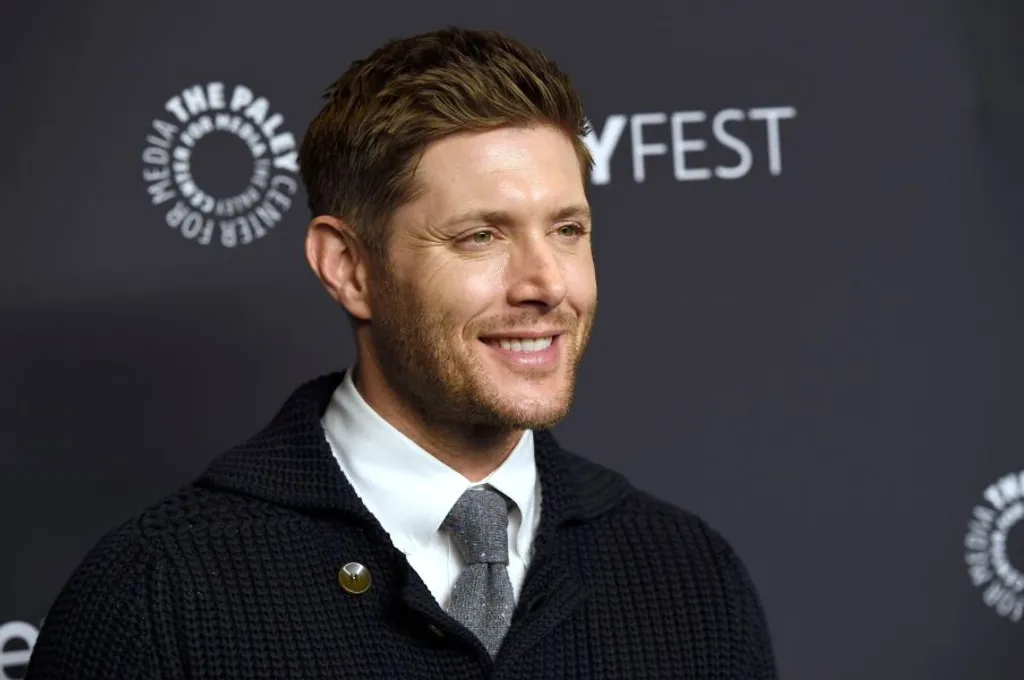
x=481 y=598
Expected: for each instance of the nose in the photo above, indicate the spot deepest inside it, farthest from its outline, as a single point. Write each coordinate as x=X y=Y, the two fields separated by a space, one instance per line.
x=536 y=276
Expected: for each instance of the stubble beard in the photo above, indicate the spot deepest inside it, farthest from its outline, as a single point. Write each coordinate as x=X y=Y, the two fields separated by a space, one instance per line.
x=447 y=387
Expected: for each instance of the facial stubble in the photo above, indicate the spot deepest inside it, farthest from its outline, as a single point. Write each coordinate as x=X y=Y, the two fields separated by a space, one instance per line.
x=443 y=382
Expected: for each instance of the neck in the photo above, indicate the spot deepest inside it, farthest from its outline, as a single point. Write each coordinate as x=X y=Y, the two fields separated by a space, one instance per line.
x=474 y=451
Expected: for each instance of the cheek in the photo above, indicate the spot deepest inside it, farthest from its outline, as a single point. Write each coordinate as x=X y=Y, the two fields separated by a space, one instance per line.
x=582 y=282
x=465 y=292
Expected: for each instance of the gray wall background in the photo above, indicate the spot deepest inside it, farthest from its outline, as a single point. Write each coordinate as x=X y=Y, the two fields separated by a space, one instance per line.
x=824 y=362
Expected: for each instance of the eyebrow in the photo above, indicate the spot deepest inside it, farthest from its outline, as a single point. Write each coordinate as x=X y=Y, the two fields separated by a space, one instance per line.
x=576 y=210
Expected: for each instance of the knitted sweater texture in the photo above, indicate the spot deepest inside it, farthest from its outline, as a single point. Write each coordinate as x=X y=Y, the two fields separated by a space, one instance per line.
x=237 y=576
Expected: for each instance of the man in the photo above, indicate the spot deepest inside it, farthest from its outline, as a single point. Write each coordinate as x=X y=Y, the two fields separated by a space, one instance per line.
x=413 y=517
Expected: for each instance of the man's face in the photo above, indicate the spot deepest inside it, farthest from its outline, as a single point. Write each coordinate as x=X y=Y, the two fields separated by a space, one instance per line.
x=492 y=293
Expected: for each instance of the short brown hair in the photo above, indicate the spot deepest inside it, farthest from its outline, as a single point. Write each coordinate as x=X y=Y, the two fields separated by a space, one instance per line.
x=360 y=152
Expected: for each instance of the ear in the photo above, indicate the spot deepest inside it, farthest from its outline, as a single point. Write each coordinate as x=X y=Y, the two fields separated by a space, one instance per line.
x=335 y=255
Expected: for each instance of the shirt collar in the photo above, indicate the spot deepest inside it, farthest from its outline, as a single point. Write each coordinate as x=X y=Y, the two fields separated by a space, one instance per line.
x=389 y=472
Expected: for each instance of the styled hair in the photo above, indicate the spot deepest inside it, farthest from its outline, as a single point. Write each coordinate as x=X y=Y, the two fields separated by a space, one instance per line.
x=360 y=152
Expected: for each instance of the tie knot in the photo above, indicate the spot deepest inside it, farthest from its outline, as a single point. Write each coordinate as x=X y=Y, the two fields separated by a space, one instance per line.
x=478 y=524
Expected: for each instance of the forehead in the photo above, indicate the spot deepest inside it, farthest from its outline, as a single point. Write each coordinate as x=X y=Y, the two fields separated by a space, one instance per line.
x=506 y=168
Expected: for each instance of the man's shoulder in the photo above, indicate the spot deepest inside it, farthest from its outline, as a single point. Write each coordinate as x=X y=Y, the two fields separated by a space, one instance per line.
x=191 y=509
x=683 y=546
x=680 y=527
x=658 y=526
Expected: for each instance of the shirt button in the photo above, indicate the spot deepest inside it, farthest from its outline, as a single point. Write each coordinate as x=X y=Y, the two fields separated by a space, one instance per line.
x=354 y=578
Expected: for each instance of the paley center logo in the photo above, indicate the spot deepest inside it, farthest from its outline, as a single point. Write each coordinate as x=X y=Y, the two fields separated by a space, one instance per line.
x=17 y=639
x=988 y=561
x=724 y=144
x=265 y=191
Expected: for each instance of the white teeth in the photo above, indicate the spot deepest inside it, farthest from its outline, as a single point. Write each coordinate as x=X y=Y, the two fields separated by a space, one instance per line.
x=525 y=344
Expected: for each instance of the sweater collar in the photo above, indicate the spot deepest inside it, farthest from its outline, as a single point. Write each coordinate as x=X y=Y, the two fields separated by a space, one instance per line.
x=290 y=463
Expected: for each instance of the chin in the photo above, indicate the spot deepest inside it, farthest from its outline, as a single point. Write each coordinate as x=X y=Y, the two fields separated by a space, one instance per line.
x=512 y=399
x=531 y=411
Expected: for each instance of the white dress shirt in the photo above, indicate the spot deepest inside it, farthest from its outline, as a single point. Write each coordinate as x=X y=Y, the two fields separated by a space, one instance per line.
x=410 y=492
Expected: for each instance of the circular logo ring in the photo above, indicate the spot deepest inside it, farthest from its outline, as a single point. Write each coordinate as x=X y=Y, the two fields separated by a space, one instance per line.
x=197 y=215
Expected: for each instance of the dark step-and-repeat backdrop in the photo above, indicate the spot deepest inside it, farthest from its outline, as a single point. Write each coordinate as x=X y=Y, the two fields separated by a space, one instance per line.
x=809 y=248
